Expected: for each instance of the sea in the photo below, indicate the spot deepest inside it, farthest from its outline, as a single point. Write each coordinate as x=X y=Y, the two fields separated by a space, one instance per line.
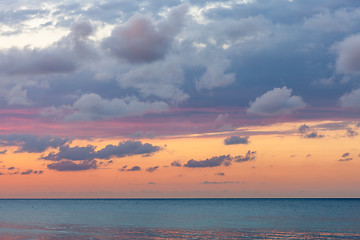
x=180 y=219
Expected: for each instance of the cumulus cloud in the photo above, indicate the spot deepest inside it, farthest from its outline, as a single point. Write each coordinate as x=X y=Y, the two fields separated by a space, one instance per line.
x=141 y=39
x=161 y=79
x=340 y=20
x=352 y=99
x=125 y=148
x=31 y=143
x=276 y=101
x=67 y=165
x=93 y=107
x=72 y=153
x=17 y=96
x=215 y=76
x=249 y=156
x=348 y=55
x=236 y=140
x=209 y=162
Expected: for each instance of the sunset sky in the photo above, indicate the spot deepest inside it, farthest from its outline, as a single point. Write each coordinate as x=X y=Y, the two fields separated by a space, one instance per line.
x=137 y=99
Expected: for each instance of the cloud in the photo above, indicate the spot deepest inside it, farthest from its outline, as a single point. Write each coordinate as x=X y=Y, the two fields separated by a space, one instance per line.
x=134 y=169
x=313 y=135
x=142 y=40
x=31 y=143
x=152 y=169
x=220 y=174
x=345 y=155
x=215 y=76
x=345 y=159
x=236 y=140
x=11 y=168
x=161 y=79
x=250 y=156
x=304 y=128
x=338 y=21
x=125 y=148
x=72 y=166
x=351 y=100
x=17 y=96
x=176 y=163
x=72 y=153
x=276 y=101
x=351 y=133
x=93 y=107
x=3 y=151
x=209 y=162
x=27 y=172
x=348 y=55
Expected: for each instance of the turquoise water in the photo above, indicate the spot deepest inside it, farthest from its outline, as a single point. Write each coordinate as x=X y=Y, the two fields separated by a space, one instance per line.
x=180 y=219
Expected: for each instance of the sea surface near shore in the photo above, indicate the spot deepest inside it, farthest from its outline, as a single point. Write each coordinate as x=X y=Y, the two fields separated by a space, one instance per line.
x=180 y=219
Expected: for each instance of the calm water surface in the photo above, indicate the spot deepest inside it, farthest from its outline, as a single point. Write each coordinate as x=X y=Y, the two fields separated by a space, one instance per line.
x=180 y=219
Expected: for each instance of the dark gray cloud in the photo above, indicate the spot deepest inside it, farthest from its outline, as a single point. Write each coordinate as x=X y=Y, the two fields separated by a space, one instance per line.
x=209 y=162
x=27 y=172
x=134 y=169
x=345 y=159
x=126 y=148
x=152 y=169
x=304 y=128
x=31 y=143
x=141 y=40
x=72 y=153
x=313 y=135
x=236 y=140
x=249 y=156
x=3 y=151
x=123 y=149
x=176 y=163
x=220 y=174
x=345 y=155
x=11 y=168
x=67 y=165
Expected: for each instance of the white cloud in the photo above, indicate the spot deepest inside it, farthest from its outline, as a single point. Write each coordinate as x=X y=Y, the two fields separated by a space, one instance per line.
x=276 y=101
x=93 y=107
x=215 y=76
x=17 y=96
x=348 y=59
x=351 y=99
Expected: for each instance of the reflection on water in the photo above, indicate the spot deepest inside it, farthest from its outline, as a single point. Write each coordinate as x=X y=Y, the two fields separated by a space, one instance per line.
x=67 y=231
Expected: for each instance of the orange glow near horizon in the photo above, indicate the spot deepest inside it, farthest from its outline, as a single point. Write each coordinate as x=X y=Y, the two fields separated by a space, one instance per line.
x=286 y=165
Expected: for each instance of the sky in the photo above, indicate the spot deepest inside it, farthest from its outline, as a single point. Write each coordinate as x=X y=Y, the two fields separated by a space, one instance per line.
x=177 y=99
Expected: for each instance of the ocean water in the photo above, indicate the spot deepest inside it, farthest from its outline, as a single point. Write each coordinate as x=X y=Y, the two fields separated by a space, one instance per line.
x=180 y=219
